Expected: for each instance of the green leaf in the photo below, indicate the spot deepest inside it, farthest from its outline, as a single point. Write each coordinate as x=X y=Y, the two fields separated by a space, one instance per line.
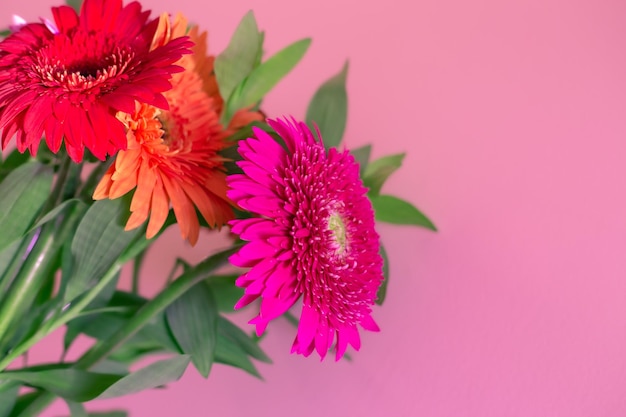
x=246 y=132
x=6 y=256
x=77 y=326
x=52 y=214
x=229 y=353
x=240 y=56
x=139 y=246
x=226 y=292
x=100 y=326
x=23 y=405
x=29 y=324
x=80 y=386
x=153 y=337
x=329 y=108
x=110 y=367
x=97 y=245
x=382 y=291
x=24 y=192
x=8 y=396
x=152 y=376
x=76 y=409
x=192 y=320
x=156 y=306
x=75 y=4
x=14 y=160
x=4 y=33
x=128 y=353
x=390 y=209
x=264 y=77
x=362 y=156
x=237 y=336
x=72 y=384
x=379 y=170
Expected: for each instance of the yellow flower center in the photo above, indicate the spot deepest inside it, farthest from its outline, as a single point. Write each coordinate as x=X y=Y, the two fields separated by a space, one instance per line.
x=338 y=227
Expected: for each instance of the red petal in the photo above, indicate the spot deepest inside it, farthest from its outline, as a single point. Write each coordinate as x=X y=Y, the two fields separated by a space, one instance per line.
x=65 y=18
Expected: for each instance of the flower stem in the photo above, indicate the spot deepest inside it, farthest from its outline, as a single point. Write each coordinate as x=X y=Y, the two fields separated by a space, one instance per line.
x=28 y=242
x=137 y=263
x=57 y=192
x=29 y=279
x=35 y=270
x=14 y=265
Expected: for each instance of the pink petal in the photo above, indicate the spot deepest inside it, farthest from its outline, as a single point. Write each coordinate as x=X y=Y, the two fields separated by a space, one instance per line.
x=368 y=323
x=309 y=320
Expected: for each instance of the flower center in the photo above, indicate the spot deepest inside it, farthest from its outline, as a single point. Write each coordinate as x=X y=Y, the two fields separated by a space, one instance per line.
x=82 y=62
x=87 y=70
x=337 y=226
x=174 y=136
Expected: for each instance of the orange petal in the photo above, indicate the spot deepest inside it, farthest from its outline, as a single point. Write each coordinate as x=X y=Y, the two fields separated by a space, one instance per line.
x=162 y=33
x=216 y=183
x=145 y=185
x=126 y=173
x=183 y=209
x=102 y=190
x=142 y=199
x=159 y=210
x=202 y=201
x=126 y=161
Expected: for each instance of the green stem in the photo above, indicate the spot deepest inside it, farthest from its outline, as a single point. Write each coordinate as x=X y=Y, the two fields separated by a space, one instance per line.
x=77 y=308
x=31 y=276
x=68 y=172
x=6 y=279
x=74 y=311
x=57 y=192
x=137 y=263
x=35 y=270
x=153 y=307
x=72 y=182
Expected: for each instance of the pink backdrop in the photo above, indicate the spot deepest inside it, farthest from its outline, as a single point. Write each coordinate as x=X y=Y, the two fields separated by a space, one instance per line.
x=512 y=114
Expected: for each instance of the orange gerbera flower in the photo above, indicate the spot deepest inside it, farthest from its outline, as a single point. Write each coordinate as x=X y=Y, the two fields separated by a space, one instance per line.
x=172 y=156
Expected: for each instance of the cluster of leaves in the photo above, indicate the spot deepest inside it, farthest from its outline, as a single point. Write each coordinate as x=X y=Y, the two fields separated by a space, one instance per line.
x=84 y=245
x=242 y=77
x=60 y=259
x=61 y=255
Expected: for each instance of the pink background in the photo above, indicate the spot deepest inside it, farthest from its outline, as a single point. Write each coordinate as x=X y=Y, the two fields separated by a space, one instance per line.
x=512 y=114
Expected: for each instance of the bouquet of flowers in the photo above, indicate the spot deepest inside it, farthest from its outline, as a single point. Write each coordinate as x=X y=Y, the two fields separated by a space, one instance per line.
x=116 y=125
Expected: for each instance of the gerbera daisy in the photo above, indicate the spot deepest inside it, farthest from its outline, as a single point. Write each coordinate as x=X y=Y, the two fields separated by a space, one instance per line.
x=172 y=156
x=69 y=79
x=313 y=239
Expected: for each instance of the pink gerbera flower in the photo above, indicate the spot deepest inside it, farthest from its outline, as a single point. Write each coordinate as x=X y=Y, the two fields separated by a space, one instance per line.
x=314 y=238
x=70 y=78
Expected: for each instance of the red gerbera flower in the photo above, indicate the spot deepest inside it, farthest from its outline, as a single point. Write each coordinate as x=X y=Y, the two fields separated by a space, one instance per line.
x=71 y=82
x=314 y=238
